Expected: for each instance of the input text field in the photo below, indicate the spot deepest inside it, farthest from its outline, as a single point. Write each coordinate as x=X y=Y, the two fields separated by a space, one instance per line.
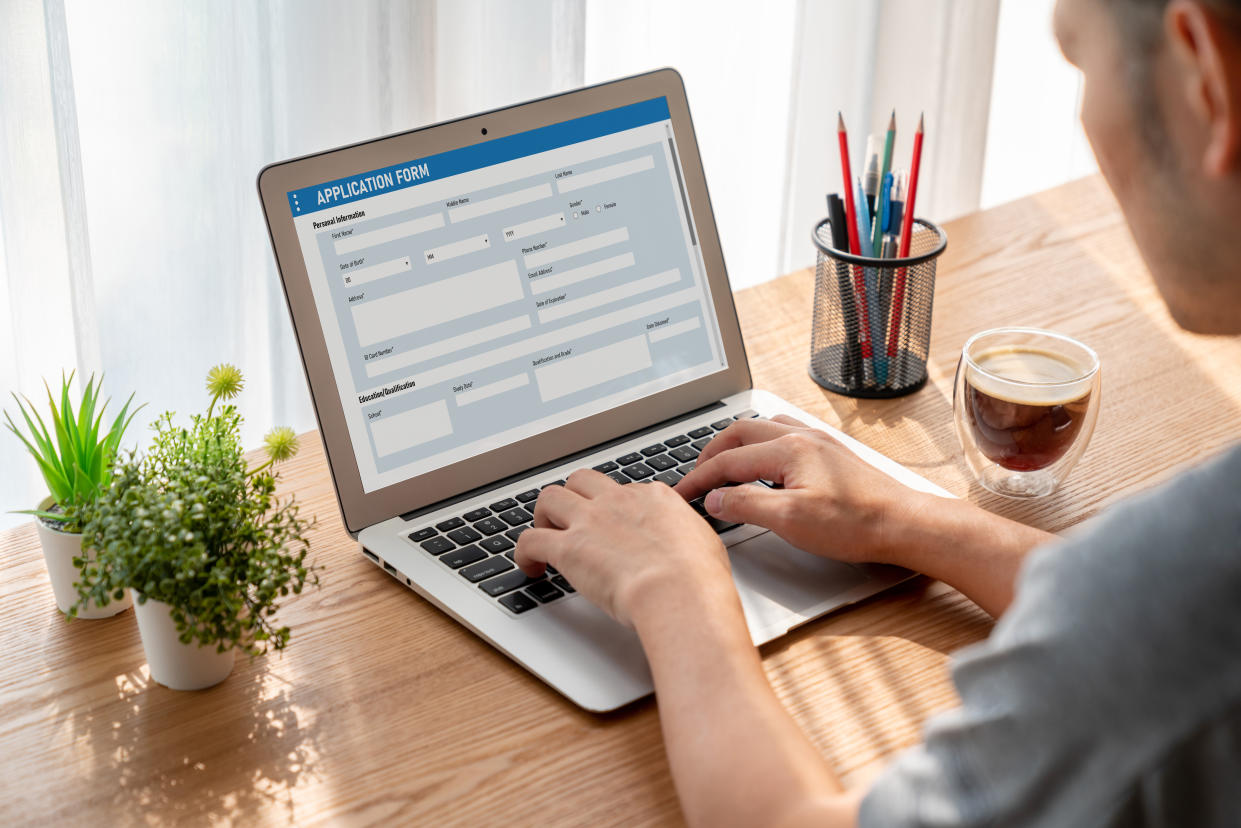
x=500 y=202
x=411 y=428
x=592 y=368
x=446 y=346
x=444 y=252
x=376 y=271
x=492 y=389
x=554 y=254
x=552 y=339
x=543 y=284
x=529 y=228
x=603 y=297
x=358 y=241
x=675 y=329
x=412 y=310
x=608 y=173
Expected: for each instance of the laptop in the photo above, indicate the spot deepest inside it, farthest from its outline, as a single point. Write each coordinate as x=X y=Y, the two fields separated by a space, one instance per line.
x=486 y=304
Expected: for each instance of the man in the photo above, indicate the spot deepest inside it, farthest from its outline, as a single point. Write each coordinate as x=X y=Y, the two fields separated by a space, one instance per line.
x=1109 y=692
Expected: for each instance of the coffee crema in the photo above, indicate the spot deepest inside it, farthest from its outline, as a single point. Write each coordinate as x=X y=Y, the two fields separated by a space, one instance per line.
x=1025 y=405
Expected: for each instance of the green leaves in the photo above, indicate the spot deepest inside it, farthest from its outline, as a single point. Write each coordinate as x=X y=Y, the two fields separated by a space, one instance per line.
x=74 y=459
x=188 y=524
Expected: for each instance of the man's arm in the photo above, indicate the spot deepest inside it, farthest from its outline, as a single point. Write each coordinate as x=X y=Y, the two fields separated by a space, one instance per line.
x=642 y=555
x=835 y=504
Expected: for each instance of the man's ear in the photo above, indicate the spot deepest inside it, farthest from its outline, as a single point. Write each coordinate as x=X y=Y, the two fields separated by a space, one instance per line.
x=1206 y=48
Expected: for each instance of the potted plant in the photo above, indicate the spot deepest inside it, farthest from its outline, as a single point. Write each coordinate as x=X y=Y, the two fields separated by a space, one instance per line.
x=202 y=540
x=76 y=459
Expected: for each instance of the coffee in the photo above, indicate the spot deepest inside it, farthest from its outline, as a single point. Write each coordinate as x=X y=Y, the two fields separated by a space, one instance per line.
x=1025 y=405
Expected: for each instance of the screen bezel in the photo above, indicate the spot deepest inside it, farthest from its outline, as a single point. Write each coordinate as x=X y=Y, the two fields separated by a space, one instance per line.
x=359 y=508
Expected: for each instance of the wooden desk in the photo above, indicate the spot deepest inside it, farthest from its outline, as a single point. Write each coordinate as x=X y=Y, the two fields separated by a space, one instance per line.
x=385 y=711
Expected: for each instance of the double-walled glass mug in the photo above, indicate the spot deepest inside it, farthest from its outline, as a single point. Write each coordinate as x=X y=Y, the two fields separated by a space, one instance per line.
x=1025 y=402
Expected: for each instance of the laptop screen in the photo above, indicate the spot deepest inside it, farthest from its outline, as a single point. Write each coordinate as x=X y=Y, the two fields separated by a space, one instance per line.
x=476 y=297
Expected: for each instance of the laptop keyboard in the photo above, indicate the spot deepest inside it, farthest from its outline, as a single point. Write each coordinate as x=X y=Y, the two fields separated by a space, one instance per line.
x=480 y=544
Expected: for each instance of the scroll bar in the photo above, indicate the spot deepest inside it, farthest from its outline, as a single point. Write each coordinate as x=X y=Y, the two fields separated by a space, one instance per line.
x=676 y=165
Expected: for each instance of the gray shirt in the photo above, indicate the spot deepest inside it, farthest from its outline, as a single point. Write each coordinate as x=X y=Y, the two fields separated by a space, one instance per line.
x=1110 y=692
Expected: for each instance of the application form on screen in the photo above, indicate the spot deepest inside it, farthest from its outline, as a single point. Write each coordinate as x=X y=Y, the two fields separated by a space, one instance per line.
x=483 y=295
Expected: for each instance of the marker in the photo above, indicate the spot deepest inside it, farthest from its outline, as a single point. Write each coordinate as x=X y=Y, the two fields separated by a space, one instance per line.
x=870 y=180
x=851 y=359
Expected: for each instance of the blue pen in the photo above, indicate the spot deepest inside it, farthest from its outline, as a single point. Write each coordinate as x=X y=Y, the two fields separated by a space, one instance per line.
x=871 y=275
x=884 y=206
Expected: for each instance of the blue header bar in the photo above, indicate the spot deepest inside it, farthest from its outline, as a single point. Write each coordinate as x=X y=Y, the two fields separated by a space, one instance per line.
x=399 y=176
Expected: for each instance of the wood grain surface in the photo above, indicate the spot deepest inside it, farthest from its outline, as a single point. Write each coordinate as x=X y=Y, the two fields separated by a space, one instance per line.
x=384 y=711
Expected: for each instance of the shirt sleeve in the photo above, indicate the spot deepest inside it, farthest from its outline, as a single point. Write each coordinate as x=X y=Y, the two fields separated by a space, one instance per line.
x=1119 y=643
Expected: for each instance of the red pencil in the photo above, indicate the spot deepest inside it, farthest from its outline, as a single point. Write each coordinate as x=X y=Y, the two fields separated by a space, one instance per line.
x=907 y=226
x=855 y=246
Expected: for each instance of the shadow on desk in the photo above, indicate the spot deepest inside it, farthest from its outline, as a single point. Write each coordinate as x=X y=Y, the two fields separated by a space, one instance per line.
x=155 y=755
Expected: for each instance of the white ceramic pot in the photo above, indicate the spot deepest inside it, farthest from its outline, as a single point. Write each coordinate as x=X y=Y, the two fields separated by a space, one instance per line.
x=173 y=664
x=59 y=550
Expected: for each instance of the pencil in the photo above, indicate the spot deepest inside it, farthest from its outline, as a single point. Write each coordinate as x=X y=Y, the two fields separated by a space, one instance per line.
x=907 y=225
x=859 y=286
x=877 y=242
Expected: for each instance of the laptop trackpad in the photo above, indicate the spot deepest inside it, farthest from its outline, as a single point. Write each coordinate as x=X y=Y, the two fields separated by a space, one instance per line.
x=778 y=583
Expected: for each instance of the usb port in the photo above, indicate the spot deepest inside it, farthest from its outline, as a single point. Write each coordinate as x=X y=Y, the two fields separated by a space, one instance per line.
x=391 y=570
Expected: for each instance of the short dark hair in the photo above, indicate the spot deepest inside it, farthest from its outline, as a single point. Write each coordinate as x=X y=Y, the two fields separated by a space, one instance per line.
x=1141 y=35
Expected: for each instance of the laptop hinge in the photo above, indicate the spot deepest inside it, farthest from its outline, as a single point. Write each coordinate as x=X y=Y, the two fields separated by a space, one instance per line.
x=560 y=461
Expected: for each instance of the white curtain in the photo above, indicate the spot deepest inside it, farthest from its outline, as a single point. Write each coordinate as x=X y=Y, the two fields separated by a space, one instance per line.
x=131 y=132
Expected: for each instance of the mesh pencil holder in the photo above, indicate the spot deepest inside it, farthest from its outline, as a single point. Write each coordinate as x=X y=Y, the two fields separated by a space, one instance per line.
x=871 y=329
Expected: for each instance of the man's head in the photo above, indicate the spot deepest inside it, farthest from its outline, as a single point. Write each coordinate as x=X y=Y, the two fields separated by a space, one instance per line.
x=1162 y=109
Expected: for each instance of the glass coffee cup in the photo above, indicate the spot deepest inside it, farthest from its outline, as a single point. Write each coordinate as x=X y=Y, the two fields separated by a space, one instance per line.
x=1025 y=403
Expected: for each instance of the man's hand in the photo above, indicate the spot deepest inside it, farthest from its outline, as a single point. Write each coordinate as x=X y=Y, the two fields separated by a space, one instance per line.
x=831 y=503
x=625 y=547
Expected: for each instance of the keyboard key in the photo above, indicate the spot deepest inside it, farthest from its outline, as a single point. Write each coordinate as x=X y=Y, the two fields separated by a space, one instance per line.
x=661 y=462
x=719 y=526
x=560 y=581
x=701 y=444
x=477 y=514
x=638 y=471
x=651 y=451
x=629 y=459
x=720 y=425
x=545 y=591
x=518 y=602
x=438 y=545
x=507 y=582
x=495 y=544
x=669 y=477
x=748 y=414
x=684 y=454
x=609 y=466
x=450 y=524
x=515 y=533
x=485 y=569
x=490 y=526
x=701 y=432
x=516 y=516
x=679 y=440
x=458 y=558
x=503 y=505
x=526 y=497
x=422 y=534
x=686 y=469
x=464 y=535
x=555 y=483
x=620 y=478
